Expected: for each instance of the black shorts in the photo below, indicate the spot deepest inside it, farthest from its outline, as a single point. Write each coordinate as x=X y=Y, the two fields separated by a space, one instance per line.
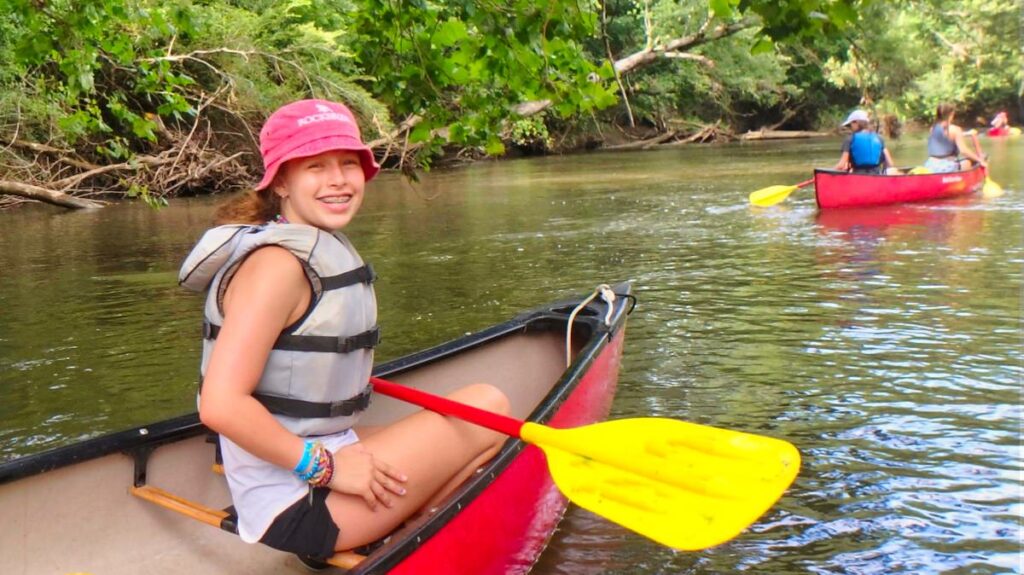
x=305 y=528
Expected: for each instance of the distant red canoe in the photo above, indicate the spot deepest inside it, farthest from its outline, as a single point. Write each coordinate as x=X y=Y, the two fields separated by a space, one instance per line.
x=835 y=189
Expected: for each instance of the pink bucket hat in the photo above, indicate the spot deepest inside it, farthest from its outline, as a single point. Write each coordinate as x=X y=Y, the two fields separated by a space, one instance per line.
x=307 y=128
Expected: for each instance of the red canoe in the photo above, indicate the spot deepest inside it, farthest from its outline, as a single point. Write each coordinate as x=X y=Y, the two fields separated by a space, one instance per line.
x=835 y=189
x=135 y=501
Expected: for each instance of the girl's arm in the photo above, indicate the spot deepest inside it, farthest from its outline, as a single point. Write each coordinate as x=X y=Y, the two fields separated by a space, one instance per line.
x=965 y=150
x=887 y=158
x=844 y=162
x=268 y=293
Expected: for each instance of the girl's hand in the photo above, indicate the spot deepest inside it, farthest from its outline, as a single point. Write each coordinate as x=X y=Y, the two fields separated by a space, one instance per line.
x=357 y=472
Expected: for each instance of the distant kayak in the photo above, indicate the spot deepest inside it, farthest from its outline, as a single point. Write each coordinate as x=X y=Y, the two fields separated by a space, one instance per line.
x=1002 y=132
x=834 y=189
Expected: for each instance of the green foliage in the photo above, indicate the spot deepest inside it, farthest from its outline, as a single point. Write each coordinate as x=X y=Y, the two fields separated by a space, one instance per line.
x=106 y=73
x=737 y=74
x=530 y=133
x=802 y=20
x=463 y=65
x=136 y=191
x=912 y=55
x=93 y=62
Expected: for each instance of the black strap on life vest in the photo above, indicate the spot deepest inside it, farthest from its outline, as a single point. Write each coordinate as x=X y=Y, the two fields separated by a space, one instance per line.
x=363 y=274
x=314 y=343
x=291 y=407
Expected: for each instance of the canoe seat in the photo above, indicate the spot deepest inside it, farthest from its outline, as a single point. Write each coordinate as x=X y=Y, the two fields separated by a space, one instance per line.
x=223 y=518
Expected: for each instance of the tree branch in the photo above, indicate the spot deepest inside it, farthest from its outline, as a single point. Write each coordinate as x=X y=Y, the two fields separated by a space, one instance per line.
x=679 y=45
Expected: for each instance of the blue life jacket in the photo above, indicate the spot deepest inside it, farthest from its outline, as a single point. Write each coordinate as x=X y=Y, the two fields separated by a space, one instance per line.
x=866 y=150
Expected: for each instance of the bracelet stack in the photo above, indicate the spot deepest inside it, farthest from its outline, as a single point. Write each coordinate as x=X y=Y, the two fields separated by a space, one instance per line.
x=316 y=466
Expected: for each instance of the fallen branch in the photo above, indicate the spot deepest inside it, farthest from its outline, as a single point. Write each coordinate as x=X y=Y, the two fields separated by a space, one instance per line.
x=705 y=134
x=643 y=144
x=46 y=195
x=134 y=164
x=781 y=135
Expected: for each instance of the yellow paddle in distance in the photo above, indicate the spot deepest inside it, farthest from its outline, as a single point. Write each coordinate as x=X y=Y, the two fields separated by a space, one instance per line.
x=991 y=189
x=681 y=484
x=774 y=194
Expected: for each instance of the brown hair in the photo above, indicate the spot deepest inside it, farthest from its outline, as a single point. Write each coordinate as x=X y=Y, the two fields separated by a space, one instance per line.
x=251 y=207
x=943 y=110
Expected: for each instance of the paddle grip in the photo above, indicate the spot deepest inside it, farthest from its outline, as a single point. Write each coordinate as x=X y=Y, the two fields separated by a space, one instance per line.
x=444 y=406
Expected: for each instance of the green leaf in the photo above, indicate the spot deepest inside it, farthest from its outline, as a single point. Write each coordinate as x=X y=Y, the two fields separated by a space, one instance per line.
x=420 y=133
x=494 y=146
x=764 y=45
x=721 y=8
x=449 y=33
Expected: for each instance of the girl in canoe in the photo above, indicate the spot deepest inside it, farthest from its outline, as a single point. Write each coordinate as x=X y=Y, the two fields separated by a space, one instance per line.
x=947 y=149
x=289 y=331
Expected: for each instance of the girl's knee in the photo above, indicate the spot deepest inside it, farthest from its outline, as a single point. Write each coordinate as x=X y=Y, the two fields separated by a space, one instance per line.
x=484 y=396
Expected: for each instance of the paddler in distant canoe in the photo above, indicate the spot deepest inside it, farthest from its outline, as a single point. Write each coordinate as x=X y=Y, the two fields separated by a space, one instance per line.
x=947 y=149
x=1001 y=127
x=863 y=150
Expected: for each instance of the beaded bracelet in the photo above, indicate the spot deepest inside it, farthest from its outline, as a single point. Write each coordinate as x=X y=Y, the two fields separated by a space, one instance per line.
x=317 y=464
x=307 y=453
x=322 y=469
x=326 y=471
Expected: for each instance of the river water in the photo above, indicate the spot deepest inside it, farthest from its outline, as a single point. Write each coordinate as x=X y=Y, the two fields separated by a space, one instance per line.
x=885 y=344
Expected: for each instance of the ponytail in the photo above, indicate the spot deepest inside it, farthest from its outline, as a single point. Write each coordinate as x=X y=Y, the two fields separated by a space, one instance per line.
x=943 y=110
x=251 y=207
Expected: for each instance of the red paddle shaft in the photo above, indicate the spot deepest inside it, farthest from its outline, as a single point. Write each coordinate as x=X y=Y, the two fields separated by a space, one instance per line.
x=445 y=406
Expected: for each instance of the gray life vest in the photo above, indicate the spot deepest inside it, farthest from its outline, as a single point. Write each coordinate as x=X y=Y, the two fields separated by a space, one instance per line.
x=315 y=379
x=939 y=144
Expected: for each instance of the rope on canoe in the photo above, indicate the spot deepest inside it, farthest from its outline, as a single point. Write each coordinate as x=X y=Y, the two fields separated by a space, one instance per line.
x=606 y=293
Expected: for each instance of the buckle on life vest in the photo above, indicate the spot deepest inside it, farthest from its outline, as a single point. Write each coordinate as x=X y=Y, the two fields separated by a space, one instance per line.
x=366 y=340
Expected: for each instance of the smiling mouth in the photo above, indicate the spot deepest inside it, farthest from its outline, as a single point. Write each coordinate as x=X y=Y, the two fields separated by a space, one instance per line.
x=336 y=199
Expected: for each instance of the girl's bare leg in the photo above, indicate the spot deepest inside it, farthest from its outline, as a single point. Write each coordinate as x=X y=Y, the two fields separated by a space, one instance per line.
x=435 y=452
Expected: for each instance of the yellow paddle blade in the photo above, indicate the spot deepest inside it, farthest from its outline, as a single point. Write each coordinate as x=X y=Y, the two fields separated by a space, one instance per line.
x=991 y=189
x=1015 y=131
x=771 y=195
x=681 y=484
x=919 y=170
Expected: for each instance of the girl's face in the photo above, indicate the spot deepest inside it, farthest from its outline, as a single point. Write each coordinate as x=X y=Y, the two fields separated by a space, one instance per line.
x=324 y=191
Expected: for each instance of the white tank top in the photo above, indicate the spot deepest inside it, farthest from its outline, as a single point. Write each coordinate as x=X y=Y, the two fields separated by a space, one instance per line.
x=260 y=491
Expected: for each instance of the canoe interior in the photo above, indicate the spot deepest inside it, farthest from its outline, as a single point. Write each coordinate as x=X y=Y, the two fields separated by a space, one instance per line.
x=80 y=518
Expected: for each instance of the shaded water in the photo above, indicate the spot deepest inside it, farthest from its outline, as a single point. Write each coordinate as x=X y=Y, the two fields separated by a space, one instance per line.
x=886 y=344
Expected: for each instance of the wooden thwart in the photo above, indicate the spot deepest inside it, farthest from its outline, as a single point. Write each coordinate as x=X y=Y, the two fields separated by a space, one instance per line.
x=215 y=517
